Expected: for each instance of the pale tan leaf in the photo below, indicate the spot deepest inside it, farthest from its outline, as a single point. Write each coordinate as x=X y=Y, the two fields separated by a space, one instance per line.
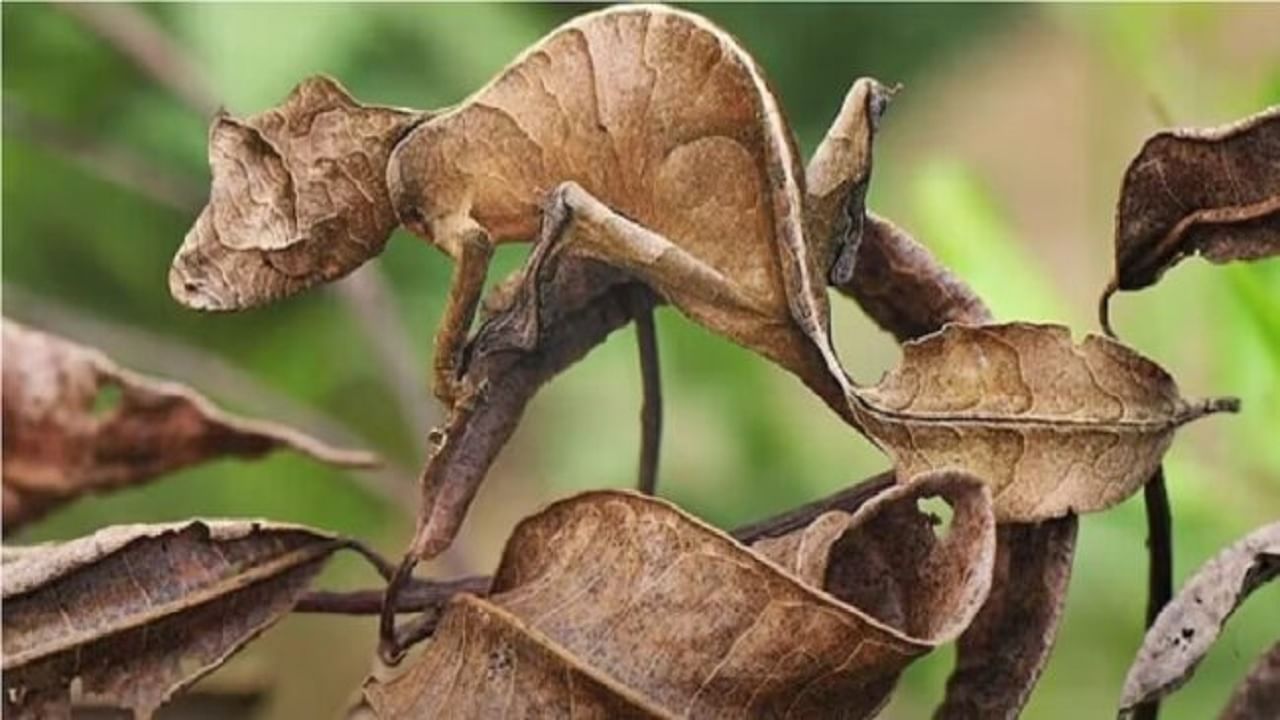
x=1053 y=427
x=76 y=423
x=136 y=613
x=1189 y=625
x=665 y=616
x=298 y=198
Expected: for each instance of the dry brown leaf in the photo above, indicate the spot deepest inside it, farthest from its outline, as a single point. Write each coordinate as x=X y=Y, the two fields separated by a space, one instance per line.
x=619 y=601
x=1001 y=655
x=999 y=658
x=76 y=423
x=1257 y=697
x=136 y=613
x=1189 y=625
x=1214 y=192
x=298 y=198
x=1053 y=427
x=903 y=288
x=647 y=138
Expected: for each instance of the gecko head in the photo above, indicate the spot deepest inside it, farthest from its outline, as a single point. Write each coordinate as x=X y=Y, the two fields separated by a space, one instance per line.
x=298 y=198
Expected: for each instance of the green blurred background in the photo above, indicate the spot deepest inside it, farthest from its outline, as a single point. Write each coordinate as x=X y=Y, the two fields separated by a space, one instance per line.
x=1003 y=154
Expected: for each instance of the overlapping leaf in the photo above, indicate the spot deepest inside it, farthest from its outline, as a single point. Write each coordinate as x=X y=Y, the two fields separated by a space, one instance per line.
x=1053 y=427
x=616 y=604
x=76 y=423
x=298 y=198
x=1189 y=625
x=136 y=613
x=1257 y=697
x=999 y=658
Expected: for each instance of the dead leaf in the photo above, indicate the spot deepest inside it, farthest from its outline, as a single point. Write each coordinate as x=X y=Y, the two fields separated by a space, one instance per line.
x=76 y=423
x=646 y=138
x=1053 y=427
x=623 y=603
x=903 y=288
x=298 y=197
x=1214 y=192
x=1188 y=626
x=1000 y=656
x=135 y=613
x=1258 y=695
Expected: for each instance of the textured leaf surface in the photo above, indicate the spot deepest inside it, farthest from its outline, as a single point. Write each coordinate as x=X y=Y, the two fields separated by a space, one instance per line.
x=1188 y=626
x=1053 y=427
x=664 y=616
x=136 y=613
x=1212 y=191
x=298 y=198
x=76 y=423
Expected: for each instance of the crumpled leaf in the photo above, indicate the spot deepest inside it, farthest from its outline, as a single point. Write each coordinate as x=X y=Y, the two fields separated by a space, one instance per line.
x=624 y=605
x=666 y=123
x=137 y=613
x=1053 y=427
x=1001 y=655
x=1257 y=697
x=1189 y=625
x=298 y=198
x=76 y=423
x=1213 y=192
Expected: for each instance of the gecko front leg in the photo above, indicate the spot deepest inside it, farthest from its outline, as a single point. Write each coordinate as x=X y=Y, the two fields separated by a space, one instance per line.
x=471 y=249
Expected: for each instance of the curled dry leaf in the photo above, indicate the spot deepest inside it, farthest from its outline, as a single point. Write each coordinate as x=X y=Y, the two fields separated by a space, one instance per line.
x=76 y=423
x=999 y=658
x=1053 y=427
x=1188 y=626
x=136 y=613
x=1257 y=697
x=1212 y=191
x=298 y=197
x=618 y=604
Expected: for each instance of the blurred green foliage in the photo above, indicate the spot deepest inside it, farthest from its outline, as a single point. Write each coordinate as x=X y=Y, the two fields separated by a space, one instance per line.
x=742 y=439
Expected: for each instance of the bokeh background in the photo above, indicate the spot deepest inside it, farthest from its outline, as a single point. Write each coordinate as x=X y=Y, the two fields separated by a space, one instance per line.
x=1003 y=154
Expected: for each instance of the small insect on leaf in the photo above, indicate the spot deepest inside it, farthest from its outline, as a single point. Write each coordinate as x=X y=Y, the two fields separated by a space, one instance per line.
x=77 y=423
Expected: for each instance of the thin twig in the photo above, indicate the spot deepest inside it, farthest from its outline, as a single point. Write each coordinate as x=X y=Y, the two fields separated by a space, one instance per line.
x=651 y=407
x=114 y=163
x=416 y=596
x=142 y=40
x=1155 y=496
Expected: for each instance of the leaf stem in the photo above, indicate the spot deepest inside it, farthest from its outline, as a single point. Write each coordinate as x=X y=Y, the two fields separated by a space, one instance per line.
x=651 y=407
x=1160 y=568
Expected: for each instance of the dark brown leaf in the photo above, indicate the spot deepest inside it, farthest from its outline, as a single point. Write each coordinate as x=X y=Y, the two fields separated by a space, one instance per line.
x=136 y=613
x=1188 y=626
x=1257 y=697
x=76 y=423
x=1215 y=192
x=664 y=616
x=298 y=198
x=1000 y=657
x=1053 y=427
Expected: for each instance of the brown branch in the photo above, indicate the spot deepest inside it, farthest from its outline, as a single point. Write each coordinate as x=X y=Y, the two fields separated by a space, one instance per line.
x=1155 y=497
x=651 y=406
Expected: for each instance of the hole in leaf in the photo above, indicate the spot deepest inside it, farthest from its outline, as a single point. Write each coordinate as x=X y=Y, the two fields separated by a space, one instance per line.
x=107 y=400
x=939 y=513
